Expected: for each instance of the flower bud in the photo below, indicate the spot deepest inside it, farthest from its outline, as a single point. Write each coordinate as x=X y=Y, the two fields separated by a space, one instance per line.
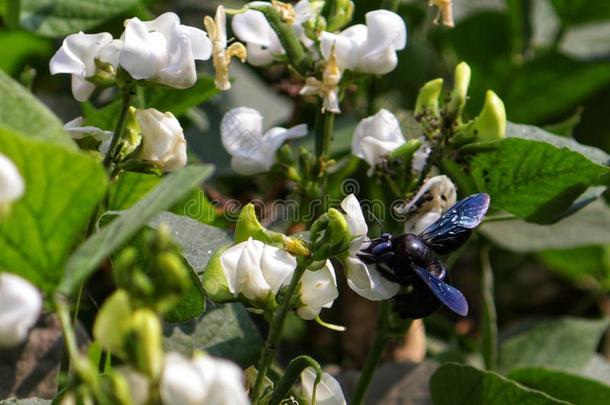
x=214 y=281
x=339 y=15
x=460 y=90
x=144 y=343
x=327 y=391
x=20 y=305
x=257 y=271
x=163 y=143
x=427 y=98
x=317 y=290
x=330 y=235
x=113 y=323
x=490 y=124
x=248 y=226
x=12 y=185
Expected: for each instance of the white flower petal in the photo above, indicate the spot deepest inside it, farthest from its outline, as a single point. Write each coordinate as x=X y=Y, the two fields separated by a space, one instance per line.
x=277 y=266
x=182 y=383
x=367 y=282
x=201 y=46
x=81 y=88
x=163 y=142
x=241 y=130
x=138 y=56
x=20 y=306
x=318 y=289
x=328 y=390
x=355 y=219
x=77 y=54
x=376 y=136
x=385 y=29
x=262 y=43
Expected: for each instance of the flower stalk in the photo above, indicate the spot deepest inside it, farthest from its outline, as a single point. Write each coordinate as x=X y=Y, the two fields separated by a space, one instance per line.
x=276 y=327
x=119 y=129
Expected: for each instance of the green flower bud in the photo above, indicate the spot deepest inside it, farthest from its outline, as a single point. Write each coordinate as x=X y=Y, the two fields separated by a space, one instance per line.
x=338 y=13
x=490 y=124
x=406 y=150
x=460 y=91
x=427 y=99
x=313 y=27
x=113 y=322
x=117 y=389
x=214 y=280
x=248 y=226
x=144 y=346
x=330 y=235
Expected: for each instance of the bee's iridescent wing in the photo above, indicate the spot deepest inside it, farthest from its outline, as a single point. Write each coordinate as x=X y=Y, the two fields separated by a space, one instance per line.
x=454 y=227
x=447 y=294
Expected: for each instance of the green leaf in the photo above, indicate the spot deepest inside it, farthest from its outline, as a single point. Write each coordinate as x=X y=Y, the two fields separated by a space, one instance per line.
x=574 y=12
x=532 y=179
x=580 y=264
x=534 y=133
x=586 y=227
x=456 y=384
x=566 y=343
x=58 y=18
x=63 y=188
x=197 y=241
x=179 y=101
x=25 y=48
x=22 y=112
x=102 y=244
x=225 y=331
x=129 y=189
x=568 y=387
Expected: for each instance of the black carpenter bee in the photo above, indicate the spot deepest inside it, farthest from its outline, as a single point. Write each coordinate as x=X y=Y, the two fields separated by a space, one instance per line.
x=412 y=260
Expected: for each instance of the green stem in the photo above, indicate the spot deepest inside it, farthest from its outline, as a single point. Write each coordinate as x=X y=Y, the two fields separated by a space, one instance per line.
x=119 y=129
x=382 y=337
x=276 y=327
x=489 y=333
x=324 y=138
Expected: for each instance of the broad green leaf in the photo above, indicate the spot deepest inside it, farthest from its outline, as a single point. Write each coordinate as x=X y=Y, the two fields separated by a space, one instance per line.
x=534 y=133
x=22 y=112
x=566 y=343
x=63 y=188
x=580 y=264
x=534 y=180
x=197 y=241
x=456 y=384
x=191 y=303
x=25 y=48
x=179 y=101
x=574 y=12
x=129 y=189
x=225 y=330
x=589 y=226
x=111 y=237
x=528 y=89
x=568 y=387
x=58 y=18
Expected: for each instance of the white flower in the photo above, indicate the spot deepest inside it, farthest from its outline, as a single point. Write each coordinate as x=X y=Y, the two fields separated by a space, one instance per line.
x=420 y=157
x=434 y=198
x=369 y=48
x=201 y=380
x=163 y=142
x=318 y=289
x=256 y=270
x=20 y=305
x=163 y=50
x=77 y=57
x=328 y=88
x=217 y=30
x=241 y=133
x=77 y=131
x=375 y=137
x=261 y=40
x=12 y=185
x=327 y=392
x=365 y=280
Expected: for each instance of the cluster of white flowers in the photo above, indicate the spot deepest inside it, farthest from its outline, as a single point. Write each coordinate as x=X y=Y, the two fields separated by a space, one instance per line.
x=162 y=51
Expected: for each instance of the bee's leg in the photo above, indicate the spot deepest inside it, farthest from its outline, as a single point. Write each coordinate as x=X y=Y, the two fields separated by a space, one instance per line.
x=387 y=273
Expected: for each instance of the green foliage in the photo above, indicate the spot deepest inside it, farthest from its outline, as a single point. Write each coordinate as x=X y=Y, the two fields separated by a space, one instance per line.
x=38 y=236
x=25 y=48
x=224 y=330
x=567 y=343
x=581 y=264
x=455 y=384
x=532 y=179
x=574 y=12
x=111 y=237
x=57 y=18
x=568 y=387
x=22 y=112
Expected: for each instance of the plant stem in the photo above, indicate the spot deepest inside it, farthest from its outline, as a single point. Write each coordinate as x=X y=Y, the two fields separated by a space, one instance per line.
x=489 y=332
x=276 y=327
x=382 y=337
x=324 y=138
x=119 y=129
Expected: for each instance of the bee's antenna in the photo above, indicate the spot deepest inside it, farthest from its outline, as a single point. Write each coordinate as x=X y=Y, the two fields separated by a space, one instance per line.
x=372 y=215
